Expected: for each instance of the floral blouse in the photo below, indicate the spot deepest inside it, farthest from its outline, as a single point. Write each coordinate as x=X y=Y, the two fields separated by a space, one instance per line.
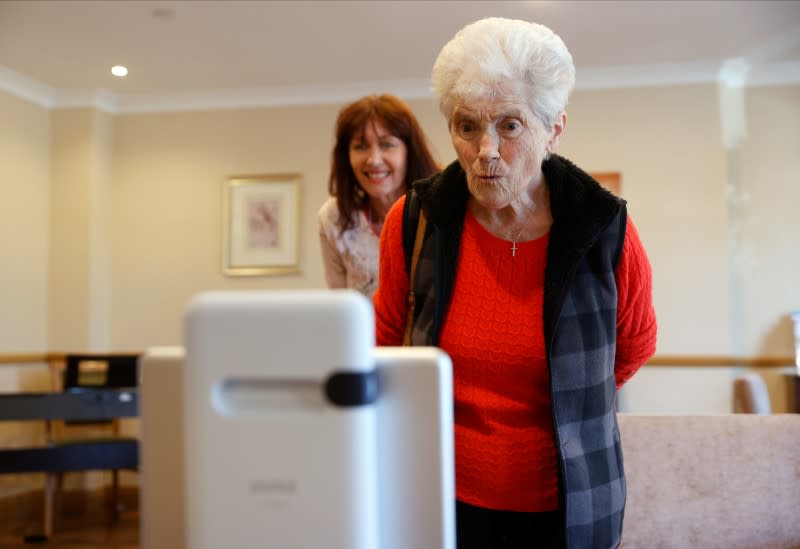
x=350 y=259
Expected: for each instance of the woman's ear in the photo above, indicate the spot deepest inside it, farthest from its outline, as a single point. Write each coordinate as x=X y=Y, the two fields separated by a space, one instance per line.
x=558 y=130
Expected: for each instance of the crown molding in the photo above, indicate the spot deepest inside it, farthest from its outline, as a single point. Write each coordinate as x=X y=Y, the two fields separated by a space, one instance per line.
x=101 y=99
x=639 y=76
x=631 y=76
x=276 y=96
x=774 y=74
x=27 y=88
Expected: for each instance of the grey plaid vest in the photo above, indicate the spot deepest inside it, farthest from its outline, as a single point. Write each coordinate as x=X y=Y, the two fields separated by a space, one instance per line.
x=580 y=313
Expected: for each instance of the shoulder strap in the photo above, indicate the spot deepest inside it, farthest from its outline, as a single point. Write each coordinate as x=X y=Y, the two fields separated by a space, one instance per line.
x=411 y=210
x=420 y=236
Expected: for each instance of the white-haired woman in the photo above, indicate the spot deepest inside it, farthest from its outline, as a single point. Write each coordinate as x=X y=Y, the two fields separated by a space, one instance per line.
x=533 y=279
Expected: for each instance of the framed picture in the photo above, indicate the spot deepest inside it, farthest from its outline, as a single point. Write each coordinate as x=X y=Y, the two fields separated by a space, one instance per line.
x=260 y=225
x=610 y=180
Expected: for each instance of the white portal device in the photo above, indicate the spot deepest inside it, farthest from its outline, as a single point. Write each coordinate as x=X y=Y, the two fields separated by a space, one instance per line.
x=299 y=433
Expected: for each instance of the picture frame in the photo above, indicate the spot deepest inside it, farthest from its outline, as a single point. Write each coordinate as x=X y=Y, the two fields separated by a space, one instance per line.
x=610 y=180
x=260 y=225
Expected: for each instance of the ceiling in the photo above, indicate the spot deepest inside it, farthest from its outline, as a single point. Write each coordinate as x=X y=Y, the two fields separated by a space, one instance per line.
x=195 y=53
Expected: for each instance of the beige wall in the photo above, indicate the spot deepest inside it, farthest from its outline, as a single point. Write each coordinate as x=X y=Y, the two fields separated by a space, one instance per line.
x=167 y=227
x=666 y=143
x=24 y=224
x=770 y=250
x=134 y=226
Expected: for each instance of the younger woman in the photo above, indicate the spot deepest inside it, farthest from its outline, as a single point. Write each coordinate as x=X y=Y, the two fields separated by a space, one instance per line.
x=380 y=150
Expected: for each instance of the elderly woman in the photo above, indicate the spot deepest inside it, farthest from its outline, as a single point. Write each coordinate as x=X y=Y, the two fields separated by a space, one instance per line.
x=533 y=279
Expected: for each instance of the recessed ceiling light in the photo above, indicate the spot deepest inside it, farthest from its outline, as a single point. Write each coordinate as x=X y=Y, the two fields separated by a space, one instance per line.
x=119 y=70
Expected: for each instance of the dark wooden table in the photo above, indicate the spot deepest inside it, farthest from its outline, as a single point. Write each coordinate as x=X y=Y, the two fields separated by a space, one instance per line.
x=77 y=404
x=73 y=405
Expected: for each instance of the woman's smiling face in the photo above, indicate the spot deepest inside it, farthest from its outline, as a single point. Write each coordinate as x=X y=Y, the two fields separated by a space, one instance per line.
x=378 y=160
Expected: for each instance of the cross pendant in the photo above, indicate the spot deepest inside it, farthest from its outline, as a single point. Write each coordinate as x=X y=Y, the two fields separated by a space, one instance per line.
x=513 y=248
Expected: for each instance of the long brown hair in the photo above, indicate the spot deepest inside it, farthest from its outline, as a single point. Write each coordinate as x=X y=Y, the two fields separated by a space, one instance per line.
x=400 y=122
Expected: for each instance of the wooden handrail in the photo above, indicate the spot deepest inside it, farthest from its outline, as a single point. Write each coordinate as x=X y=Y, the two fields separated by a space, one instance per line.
x=725 y=361
x=659 y=360
x=41 y=358
x=24 y=358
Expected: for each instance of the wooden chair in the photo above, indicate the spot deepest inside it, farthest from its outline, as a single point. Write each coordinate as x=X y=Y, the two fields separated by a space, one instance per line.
x=84 y=372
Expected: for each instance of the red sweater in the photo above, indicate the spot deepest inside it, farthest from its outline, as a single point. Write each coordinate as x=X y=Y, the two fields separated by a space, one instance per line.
x=504 y=442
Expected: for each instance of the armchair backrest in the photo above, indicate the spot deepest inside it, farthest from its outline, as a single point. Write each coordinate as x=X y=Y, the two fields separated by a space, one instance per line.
x=101 y=370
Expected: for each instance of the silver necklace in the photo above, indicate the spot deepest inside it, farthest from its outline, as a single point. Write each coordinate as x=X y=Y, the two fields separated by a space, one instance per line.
x=514 y=240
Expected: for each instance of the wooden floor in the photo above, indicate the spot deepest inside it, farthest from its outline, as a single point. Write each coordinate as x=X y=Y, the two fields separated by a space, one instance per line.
x=77 y=533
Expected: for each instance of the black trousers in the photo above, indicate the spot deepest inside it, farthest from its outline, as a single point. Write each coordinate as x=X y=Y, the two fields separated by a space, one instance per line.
x=479 y=528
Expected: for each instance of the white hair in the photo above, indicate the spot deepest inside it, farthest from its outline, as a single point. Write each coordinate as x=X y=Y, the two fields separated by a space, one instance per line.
x=484 y=57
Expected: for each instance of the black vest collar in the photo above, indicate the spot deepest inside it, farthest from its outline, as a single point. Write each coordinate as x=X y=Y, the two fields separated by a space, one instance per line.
x=578 y=202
